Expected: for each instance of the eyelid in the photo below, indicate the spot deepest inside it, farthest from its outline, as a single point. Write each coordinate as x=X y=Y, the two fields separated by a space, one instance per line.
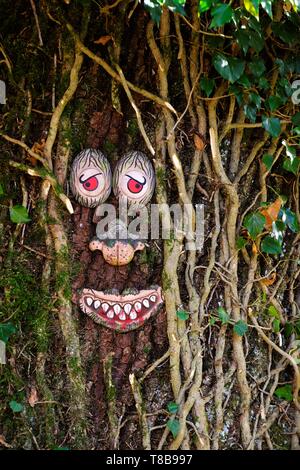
x=141 y=182
x=91 y=176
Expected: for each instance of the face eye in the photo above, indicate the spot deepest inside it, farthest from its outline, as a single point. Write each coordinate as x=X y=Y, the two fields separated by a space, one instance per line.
x=91 y=183
x=90 y=178
x=134 y=186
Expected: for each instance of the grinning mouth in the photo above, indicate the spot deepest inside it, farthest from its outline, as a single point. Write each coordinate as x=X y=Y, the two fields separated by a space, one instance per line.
x=121 y=312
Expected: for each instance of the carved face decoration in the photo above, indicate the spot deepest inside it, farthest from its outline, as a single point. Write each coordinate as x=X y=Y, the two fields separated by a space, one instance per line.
x=134 y=178
x=90 y=178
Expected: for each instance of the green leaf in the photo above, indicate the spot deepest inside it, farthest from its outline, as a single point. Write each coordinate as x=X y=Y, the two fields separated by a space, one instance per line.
x=255 y=99
x=6 y=330
x=230 y=68
x=296 y=119
x=273 y=312
x=292 y=166
x=271 y=125
x=15 y=406
x=267 y=161
x=172 y=407
x=285 y=392
x=240 y=328
x=204 y=5
x=223 y=315
x=212 y=321
x=267 y=6
x=221 y=14
x=288 y=329
x=244 y=80
x=290 y=218
x=207 y=85
x=276 y=325
x=1 y=190
x=174 y=426
x=296 y=130
x=182 y=314
x=252 y=7
x=257 y=67
x=243 y=39
x=241 y=243
x=154 y=8
x=19 y=214
x=292 y=162
x=263 y=83
x=271 y=246
x=286 y=31
x=250 y=112
x=236 y=90
x=274 y=102
x=254 y=223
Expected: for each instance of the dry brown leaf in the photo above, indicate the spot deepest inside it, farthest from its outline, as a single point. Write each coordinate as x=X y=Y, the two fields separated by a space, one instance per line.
x=254 y=248
x=103 y=40
x=33 y=398
x=269 y=280
x=199 y=144
x=271 y=213
x=4 y=443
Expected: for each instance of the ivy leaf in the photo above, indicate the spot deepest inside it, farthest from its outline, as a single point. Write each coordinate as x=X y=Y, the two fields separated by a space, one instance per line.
x=292 y=162
x=15 y=406
x=290 y=218
x=154 y=8
x=230 y=68
x=285 y=392
x=257 y=67
x=223 y=315
x=240 y=328
x=182 y=314
x=273 y=312
x=172 y=407
x=254 y=223
x=207 y=85
x=267 y=6
x=252 y=7
x=250 y=112
x=276 y=325
x=263 y=83
x=295 y=121
x=174 y=426
x=221 y=14
x=1 y=190
x=267 y=160
x=271 y=246
x=255 y=99
x=244 y=80
x=274 y=102
x=204 y=5
x=6 y=330
x=241 y=243
x=243 y=39
x=19 y=214
x=271 y=125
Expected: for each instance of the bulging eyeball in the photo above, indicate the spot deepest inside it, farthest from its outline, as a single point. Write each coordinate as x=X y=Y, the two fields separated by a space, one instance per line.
x=90 y=178
x=134 y=178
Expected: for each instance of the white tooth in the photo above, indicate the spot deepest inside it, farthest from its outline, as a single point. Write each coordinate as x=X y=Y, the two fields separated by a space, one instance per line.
x=97 y=304
x=138 y=306
x=146 y=303
x=133 y=315
x=122 y=316
x=153 y=298
x=105 y=307
x=110 y=314
x=117 y=309
x=127 y=308
x=89 y=301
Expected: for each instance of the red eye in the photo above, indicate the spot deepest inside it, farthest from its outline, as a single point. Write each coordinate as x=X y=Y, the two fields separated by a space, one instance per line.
x=135 y=186
x=90 y=184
